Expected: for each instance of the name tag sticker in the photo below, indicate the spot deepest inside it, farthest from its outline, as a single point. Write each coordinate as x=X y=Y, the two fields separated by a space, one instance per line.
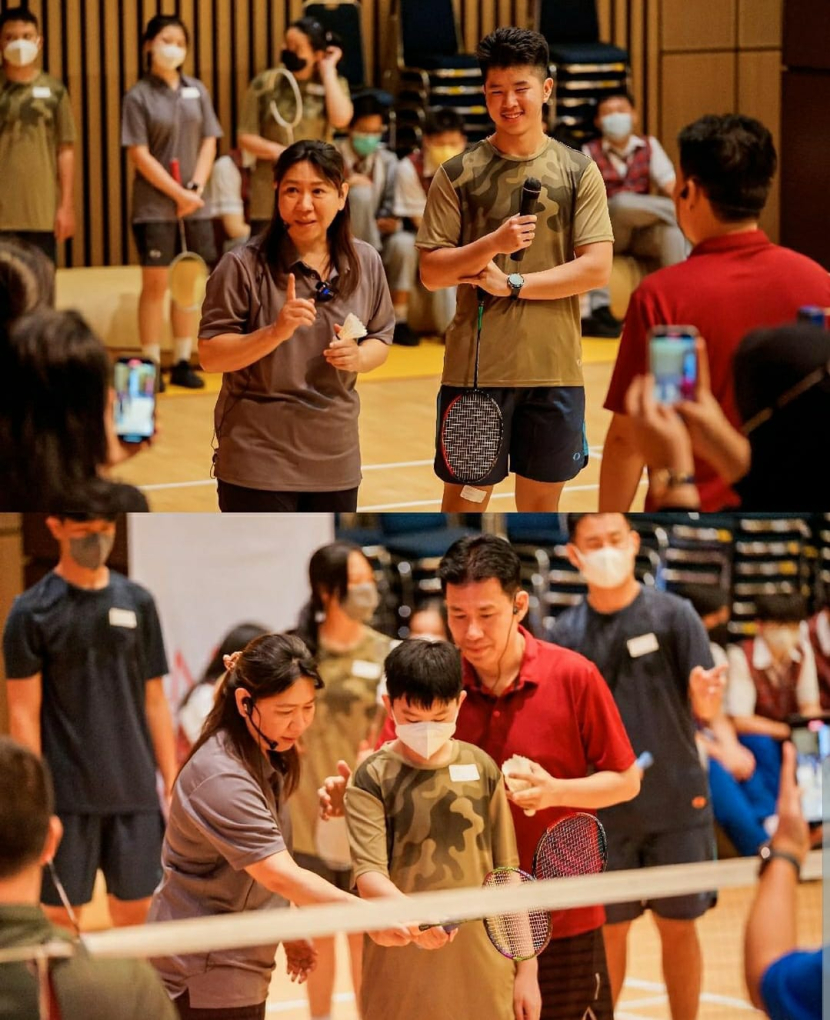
x=41 y=92
x=464 y=773
x=190 y=92
x=642 y=645
x=123 y=618
x=364 y=670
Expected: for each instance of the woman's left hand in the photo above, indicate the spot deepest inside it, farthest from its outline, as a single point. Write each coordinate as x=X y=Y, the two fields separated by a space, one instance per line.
x=301 y=959
x=117 y=450
x=343 y=354
x=330 y=59
x=491 y=279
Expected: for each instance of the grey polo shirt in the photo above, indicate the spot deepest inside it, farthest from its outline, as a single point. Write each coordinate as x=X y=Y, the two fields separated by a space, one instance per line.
x=289 y=421
x=220 y=822
x=171 y=122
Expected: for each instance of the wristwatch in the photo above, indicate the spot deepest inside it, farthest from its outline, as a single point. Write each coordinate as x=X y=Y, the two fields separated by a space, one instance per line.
x=198 y=188
x=768 y=854
x=667 y=478
x=515 y=282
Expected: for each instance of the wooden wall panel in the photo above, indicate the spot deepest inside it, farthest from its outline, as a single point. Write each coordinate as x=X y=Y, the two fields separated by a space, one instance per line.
x=759 y=95
x=701 y=25
x=693 y=84
x=94 y=45
x=760 y=23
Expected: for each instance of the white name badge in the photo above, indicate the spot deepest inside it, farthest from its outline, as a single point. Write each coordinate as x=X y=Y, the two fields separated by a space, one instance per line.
x=190 y=92
x=464 y=773
x=123 y=618
x=642 y=645
x=364 y=670
x=41 y=92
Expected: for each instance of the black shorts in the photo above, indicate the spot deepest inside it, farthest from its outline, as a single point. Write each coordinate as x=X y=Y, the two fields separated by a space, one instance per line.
x=188 y=1012
x=239 y=499
x=43 y=239
x=573 y=979
x=127 y=848
x=342 y=879
x=682 y=846
x=159 y=242
x=544 y=433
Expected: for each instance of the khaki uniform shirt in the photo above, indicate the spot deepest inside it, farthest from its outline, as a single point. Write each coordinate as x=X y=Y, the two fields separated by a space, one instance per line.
x=523 y=343
x=427 y=829
x=35 y=120
x=289 y=421
x=257 y=119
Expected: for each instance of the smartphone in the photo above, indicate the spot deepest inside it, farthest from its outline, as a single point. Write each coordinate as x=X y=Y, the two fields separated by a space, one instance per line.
x=673 y=362
x=134 y=381
x=811 y=738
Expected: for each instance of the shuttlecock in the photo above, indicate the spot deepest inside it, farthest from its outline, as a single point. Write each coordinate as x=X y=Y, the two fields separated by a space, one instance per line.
x=352 y=328
x=518 y=763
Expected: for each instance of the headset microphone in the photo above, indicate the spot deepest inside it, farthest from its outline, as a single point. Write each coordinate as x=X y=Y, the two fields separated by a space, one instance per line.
x=248 y=705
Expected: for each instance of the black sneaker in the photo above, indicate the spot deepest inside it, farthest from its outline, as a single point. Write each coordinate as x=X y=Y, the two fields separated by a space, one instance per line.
x=404 y=336
x=160 y=384
x=181 y=374
x=601 y=323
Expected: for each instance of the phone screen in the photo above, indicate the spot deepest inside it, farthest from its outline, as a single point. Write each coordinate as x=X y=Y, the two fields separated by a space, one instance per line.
x=135 y=399
x=812 y=745
x=673 y=363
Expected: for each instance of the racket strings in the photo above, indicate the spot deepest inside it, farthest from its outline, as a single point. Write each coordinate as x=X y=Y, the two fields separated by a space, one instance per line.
x=574 y=846
x=471 y=435
x=522 y=935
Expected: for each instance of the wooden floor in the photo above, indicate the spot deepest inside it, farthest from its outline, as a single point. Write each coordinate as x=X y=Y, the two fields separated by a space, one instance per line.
x=397 y=426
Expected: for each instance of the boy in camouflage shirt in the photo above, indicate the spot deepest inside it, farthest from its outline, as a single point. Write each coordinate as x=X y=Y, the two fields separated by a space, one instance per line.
x=531 y=356
x=427 y=812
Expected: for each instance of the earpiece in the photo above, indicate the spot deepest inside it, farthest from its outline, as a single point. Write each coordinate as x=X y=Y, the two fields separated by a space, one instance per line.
x=248 y=705
x=515 y=609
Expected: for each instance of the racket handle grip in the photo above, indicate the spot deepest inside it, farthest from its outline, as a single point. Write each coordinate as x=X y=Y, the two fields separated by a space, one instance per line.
x=176 y=170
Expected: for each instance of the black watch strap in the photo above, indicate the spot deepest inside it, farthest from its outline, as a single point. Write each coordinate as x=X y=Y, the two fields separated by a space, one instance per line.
x=769 y=854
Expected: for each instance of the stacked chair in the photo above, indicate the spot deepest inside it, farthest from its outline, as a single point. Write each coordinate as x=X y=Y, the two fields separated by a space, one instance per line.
x=585 y=69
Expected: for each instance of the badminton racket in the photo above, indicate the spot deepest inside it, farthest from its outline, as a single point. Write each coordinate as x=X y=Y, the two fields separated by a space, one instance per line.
x=519 y=936
x=574 y=846
x=472 y=427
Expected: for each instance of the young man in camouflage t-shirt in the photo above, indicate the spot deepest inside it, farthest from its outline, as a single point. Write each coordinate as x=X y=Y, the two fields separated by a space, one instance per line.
x=531 y=358
x=428 y=812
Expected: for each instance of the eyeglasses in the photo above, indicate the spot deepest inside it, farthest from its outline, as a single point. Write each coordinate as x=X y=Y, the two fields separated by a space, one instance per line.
x=324 y=292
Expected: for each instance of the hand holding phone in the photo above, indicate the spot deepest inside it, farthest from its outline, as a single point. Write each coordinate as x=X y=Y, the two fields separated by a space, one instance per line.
x=134 y=382
x=811 y=739
x=673 y=363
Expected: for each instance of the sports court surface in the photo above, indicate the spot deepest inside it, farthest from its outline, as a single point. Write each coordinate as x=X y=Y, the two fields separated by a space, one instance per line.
x=397 y=425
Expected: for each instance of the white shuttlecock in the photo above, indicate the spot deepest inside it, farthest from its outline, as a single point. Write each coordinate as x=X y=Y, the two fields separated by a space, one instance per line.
x=518 y=763
x=352 y=328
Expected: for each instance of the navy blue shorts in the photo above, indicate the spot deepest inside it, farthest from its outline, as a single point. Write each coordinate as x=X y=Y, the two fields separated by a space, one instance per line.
x=544 y=433
x=160 y=242
x=127 y=848
x=682 y=846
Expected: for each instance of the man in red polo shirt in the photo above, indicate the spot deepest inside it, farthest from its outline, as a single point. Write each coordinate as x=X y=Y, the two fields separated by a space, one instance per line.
x=551 y=705
x=735 y=280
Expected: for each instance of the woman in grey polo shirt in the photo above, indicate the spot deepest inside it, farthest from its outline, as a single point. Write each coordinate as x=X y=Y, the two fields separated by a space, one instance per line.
x=228 y=844
x=169 y=116
x=286 y=418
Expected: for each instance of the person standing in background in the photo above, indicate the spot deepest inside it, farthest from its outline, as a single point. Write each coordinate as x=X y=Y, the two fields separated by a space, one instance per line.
x=318 y=106
x=37 y=140
x=167 y=117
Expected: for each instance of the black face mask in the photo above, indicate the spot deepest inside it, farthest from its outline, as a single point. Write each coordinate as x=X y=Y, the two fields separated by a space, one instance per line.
x=291 y=62
x=719 y=635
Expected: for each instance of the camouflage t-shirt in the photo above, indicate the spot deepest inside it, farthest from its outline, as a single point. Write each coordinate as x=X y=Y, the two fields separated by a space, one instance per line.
x=523 y=342
x=346 y=708
x=426 y=829
x=258 y=119
x=35 y=120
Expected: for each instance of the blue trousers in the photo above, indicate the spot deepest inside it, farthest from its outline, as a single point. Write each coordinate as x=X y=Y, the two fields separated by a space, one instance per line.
x=741 y=807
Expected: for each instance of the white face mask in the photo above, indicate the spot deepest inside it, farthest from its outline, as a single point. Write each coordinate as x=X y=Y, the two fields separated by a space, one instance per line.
x=616 y=125
x=782 y=640
x=607 y=567
x=168 y=56
x=21 y=52
x=424 y=738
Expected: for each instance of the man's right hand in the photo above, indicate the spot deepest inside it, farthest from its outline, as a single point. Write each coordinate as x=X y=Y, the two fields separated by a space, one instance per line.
x=295 y=312
x=187 y=202
x=331 y=793
x=400 y=936
x=515 y=233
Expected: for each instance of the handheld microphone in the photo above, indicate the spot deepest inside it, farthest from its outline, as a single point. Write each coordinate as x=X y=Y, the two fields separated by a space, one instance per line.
x=531 y=189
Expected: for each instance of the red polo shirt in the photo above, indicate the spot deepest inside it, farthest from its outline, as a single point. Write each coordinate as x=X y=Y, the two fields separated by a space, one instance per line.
x=560 y=713
x=728 y=286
